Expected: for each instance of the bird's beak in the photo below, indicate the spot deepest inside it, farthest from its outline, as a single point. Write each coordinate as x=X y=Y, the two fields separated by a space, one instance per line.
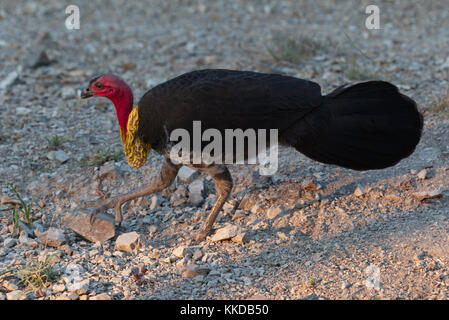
x=87 y=93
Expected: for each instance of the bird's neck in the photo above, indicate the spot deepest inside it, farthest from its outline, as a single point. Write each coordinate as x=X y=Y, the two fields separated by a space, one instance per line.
x=123 y=103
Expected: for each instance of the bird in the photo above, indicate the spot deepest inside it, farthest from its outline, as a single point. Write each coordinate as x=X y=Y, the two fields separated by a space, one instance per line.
x=365 y=125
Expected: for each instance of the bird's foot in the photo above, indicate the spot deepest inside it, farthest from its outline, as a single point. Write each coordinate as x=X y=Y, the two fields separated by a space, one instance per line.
x=102 y=206
x=93 y=204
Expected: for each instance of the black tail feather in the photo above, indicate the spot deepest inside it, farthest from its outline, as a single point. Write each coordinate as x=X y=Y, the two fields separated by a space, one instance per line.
x=362 y=126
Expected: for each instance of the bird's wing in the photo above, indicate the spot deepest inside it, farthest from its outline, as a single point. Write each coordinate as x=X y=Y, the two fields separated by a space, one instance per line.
x=225 y=99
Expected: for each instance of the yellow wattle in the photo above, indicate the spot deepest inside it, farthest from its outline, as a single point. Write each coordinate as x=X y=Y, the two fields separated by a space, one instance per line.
x=136 y=151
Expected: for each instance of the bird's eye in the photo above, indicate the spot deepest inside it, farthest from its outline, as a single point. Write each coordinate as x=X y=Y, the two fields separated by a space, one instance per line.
x=99 y=85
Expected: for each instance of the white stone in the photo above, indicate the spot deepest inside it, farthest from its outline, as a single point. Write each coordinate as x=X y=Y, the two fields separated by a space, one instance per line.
x=187 y=175
x=273 y=212
x=128 y=242
x=226 y=233
x=180 y=252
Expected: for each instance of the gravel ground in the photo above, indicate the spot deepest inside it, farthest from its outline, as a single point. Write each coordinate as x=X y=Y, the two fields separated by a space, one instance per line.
x=311 y=231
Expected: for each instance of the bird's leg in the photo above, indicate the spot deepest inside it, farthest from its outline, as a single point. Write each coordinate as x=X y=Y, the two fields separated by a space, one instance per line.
x=223 y=186
x=166 y=178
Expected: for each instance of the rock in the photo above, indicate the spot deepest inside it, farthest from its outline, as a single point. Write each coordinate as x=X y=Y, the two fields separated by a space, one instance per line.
x=422 y=174
x=195 y=192
x=187 y=175
x=152 y=229
x=10 y=286
x=128 y=242
x=73 y=279
x=257 y=297
x=101 y=230
x=190 y=46
x=344 y=285
x=41 y=61
x=193 y=270
x=9 y=242
x=154 y=202
x=247 y=203
x=74 y=295
x=23 y=237
x=210 y=59
x=273 y=212
x=225 y=233
x=25 y=228
x=52 y=237
x=359 y=191
x=256 y=208
x=101 y=296
x=198 y=279
x=68 y=93
x=16 y=295
x=10 y=78
x=282 y=236
x=197 y=254
x=241 y=238
x=180 y=252
x=445 y=64
x=59 y=287
x=239 y=214
x=79 y=287
x=429 y=194
x=61 y=156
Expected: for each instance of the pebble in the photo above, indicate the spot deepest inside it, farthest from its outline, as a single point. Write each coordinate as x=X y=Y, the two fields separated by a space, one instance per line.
x=16 y=295
x=225 y=233
x=101 y=296
x=240 y=238
x=9 y=242
x=422 y=174
x=196 y=188
x=187 y=175
x=102 y=229
x=8 y=285
x=128 y=242
x=180 y=252
x=59 y=287
x=197 y=254
x=68 y=93
x=273 y=212
x=10 y=78
x=359 y=191
x=52 y=237
x=193 y=270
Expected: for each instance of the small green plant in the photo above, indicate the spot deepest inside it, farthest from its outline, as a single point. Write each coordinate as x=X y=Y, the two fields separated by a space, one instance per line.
x=34 y=274
x=55 y=142
x=15 y=221
x=22 y=212
x=440 y=106
x=312 y=283
x=101 y=157
x=286 y=49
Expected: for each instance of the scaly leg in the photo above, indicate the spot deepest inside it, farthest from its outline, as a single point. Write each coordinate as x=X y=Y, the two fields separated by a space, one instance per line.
x=223 y=185
x=166 y=178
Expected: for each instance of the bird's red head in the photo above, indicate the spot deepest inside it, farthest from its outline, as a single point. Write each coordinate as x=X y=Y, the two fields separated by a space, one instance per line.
x=116 y=90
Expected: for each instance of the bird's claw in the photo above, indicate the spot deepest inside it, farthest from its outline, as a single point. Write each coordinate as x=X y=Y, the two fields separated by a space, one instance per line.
x=101 y=206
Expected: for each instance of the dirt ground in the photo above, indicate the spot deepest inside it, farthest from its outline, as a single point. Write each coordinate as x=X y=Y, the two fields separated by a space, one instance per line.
x=311 y=231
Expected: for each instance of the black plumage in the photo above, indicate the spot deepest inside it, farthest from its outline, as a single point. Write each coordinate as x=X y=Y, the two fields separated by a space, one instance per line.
x=361 y=126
